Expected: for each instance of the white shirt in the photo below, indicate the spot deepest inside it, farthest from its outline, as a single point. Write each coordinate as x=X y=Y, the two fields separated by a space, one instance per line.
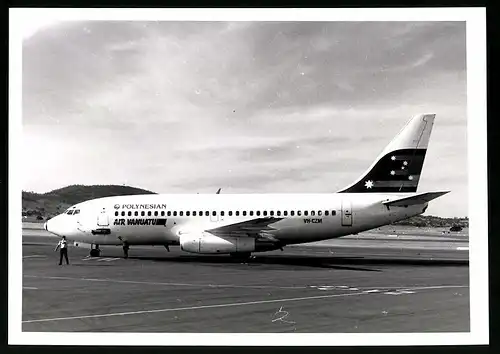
x=62 y=244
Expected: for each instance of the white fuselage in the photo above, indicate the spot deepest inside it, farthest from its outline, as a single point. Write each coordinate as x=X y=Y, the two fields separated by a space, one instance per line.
x=156 y=219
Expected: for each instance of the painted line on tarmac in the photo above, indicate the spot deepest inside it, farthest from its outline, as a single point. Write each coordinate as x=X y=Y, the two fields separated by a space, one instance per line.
x=372 y=289
x=462 y=248
x=29 y=288
x=106 y=259
x=399 y=292
x=234 y=304
x=35 y=256
x=104 y=280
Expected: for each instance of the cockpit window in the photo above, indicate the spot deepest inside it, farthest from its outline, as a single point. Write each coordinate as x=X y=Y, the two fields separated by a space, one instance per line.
x=70 y=212
x=77 y=211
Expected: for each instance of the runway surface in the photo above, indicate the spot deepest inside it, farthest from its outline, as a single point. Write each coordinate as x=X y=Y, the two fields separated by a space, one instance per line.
x=302 y=289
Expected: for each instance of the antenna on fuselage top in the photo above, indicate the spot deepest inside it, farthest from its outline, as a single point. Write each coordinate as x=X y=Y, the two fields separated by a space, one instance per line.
x=218 y=192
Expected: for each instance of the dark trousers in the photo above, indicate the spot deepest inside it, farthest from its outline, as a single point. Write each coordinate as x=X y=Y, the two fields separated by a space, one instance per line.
x=64 y=251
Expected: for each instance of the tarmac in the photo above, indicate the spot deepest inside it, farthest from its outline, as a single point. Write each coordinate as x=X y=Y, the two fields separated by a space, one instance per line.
x=358 y=287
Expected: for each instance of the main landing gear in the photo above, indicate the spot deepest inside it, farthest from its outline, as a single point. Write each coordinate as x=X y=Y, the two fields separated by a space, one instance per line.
x=94 y=251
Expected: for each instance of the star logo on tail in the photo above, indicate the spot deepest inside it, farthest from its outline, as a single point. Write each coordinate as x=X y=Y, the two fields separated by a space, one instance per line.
x=369 y=184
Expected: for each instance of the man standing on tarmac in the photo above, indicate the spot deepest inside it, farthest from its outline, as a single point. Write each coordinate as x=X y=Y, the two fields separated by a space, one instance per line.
x=63 y=245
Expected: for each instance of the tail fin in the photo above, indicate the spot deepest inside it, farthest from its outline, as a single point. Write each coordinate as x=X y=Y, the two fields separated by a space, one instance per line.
x=397 y=169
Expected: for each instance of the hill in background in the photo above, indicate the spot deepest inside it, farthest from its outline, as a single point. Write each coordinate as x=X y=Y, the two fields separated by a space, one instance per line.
x=434 y=221
x=46 y=205
x=42 y=206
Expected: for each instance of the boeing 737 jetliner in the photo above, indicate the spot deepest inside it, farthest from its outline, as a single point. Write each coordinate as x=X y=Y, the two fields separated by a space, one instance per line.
x=239 y=224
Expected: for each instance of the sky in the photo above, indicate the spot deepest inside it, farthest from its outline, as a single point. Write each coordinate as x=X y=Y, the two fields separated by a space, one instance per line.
x=251 y=107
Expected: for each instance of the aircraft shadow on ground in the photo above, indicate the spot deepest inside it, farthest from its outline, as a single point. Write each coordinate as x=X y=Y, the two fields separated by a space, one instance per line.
x=332 y=262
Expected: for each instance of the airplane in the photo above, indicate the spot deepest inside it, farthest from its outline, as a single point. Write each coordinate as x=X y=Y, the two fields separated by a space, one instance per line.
x=240 y=224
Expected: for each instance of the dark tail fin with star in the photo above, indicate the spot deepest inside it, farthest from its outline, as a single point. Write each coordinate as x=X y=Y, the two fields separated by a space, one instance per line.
x=397 y=169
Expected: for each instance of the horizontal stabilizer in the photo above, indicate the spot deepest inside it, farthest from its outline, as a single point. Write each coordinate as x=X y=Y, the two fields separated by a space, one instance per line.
x=420 y=198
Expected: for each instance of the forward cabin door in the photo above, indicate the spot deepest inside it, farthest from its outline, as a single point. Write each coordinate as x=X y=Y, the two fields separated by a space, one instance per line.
x=346 y=212
x=102 y=218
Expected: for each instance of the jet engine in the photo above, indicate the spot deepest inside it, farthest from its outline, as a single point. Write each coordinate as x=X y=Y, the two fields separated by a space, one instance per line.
x=208 y=243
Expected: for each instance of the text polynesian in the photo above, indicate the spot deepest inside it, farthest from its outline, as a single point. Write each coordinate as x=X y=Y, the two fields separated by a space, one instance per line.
x=144 y=206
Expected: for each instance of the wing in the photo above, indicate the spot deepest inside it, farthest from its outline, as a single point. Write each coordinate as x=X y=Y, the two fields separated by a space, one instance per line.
x=259 y=227
x=420 y=198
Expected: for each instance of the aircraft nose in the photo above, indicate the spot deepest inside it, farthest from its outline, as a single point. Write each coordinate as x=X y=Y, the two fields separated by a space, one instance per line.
x=48 y=224
x=54 y=225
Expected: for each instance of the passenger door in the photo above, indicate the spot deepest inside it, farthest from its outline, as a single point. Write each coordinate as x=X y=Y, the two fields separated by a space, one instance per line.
x=102 y=218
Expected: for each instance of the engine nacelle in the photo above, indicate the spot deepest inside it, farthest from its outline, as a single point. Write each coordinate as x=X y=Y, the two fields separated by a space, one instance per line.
x=208 y=243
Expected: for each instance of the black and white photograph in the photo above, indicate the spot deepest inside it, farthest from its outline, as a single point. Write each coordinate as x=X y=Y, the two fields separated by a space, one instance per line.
x=239 y=173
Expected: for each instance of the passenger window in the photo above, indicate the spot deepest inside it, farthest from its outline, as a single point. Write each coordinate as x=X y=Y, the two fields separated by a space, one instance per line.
x=181 y=213
x=116 y=213
x=271 y=213
x=156 y=213
x=326 y=212
x=136 y=213
x=278 y=213
x=333 y=212
x=251 y=212
x=214 y=213
x=285 y=213
x=265 y=212
x=175 y=213
x=207 y=213
x=187 y=213
x=123 y=213
x=143 y=213
x=244 y=213
x=200 y=213
x=222 y=213
x=292 y=213
x=149 y=213
x=169 y=213
x=258 y=212
x=319 y=212
x=306 y=212
x=237 y=213
x=162 y=213
x=230 y=213
x=129 y=213
x=312 y=213
x=299 y=213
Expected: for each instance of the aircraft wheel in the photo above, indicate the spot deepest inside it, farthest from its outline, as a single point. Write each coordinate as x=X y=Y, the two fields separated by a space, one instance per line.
x=95 y=252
